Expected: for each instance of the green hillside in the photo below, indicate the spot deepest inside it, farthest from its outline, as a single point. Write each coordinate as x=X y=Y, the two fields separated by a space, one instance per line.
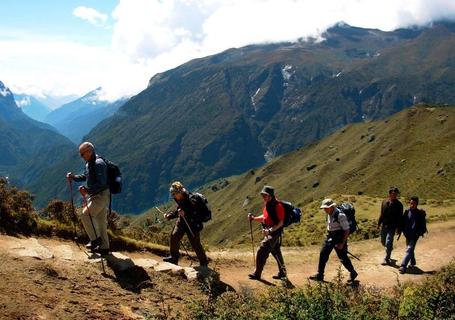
x=358 y=163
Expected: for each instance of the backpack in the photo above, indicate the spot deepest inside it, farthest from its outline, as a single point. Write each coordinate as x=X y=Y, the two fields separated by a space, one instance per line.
x=291 y=214
x=114 y=177
x=202 y=207
x=349 y=210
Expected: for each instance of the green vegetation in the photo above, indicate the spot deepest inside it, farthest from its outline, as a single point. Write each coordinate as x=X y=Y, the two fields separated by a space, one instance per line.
x=17 y=216
x=411 y=149
x=433 y=298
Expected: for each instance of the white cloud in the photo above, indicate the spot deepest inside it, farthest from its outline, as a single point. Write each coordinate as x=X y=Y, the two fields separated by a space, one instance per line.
x=90 y=15
x=151 y=36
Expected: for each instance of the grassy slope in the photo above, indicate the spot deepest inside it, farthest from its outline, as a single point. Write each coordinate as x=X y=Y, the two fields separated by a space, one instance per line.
x=411 y=150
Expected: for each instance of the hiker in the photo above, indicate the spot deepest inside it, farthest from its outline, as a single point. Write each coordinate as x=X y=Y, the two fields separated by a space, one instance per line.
x=413 y=226
x=94 y=214
x=189 y=222
x=337 y=238
x=272 y=220
x=390 y=219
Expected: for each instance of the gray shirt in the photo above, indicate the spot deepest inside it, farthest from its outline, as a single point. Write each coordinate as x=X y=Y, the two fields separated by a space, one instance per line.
x=95 y=174
x=341 y=224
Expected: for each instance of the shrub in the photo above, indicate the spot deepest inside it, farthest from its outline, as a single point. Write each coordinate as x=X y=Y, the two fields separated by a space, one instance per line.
x=16 y=210
x=432 y=299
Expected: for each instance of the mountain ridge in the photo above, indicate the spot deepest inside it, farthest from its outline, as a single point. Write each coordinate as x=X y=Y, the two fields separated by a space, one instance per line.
x=223 y=114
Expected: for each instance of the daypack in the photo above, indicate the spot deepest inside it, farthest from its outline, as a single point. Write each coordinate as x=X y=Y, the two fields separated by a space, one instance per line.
x=202 y=206
x=114 y=177
x=291 y=214
x=349 y=210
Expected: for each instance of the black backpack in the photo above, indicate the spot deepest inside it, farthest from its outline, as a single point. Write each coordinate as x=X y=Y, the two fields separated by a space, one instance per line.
x=349 y=210
x=202 y=207
x=114 y=177
x=291 y=214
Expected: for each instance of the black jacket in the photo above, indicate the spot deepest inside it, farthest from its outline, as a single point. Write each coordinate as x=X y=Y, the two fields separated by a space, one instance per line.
x=391 y=214
x=414 y=225
x=190 y=207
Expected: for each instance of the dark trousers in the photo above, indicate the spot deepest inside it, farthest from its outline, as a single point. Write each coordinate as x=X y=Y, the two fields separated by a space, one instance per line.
x=327 y=247
x=270 y=244
x=176 y=237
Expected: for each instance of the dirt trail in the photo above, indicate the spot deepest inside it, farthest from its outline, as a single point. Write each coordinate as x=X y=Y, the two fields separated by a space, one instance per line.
x=50 y=278
x=433 y=251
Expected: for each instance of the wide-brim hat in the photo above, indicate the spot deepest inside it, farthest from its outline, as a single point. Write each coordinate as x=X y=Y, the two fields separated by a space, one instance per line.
x=328 y=203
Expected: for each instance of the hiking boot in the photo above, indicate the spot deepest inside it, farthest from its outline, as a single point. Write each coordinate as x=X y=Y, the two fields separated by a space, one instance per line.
x=402 y=270
x=254 y=276
x=93 y=245
x=171 y=259
x=353 y=276
x=386 y=262
x=317 y=277
x=280 y=276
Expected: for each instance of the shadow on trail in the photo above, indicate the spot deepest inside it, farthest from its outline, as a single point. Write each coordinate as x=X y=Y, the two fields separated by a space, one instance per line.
x=268 y=283
x=418 y=271
x=128 y=275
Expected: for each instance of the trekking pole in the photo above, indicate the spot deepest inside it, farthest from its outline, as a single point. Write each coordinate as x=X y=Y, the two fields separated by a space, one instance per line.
x=355 y=257
x=252 y=242
x=187 y=224
x=70 y=184
x=93 y=225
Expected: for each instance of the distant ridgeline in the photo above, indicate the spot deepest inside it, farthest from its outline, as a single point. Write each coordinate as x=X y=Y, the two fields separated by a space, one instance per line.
x=28 y=148
x=224 y=114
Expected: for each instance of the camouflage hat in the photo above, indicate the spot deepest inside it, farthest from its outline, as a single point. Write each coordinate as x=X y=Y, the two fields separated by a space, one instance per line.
x=176 y=187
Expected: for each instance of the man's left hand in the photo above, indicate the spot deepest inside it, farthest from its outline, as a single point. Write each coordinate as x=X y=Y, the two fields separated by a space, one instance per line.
x=181 y=213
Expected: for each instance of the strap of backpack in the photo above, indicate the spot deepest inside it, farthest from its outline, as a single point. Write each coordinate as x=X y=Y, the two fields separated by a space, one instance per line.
x=335 y=216
x=110 y=202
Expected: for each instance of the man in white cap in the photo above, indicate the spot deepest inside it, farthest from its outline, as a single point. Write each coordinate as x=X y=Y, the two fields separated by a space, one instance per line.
x=337 y=236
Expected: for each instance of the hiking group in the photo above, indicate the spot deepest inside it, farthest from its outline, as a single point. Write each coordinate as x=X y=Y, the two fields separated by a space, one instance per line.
x=103 y=178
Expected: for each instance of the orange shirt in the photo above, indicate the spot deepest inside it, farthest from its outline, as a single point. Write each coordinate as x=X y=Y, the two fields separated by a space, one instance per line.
x=268 y=221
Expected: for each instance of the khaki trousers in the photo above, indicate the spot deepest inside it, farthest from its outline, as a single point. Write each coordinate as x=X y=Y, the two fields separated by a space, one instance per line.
x=98 y=206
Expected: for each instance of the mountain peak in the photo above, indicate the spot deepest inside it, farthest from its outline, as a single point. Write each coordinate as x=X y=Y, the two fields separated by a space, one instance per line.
x=4 y=91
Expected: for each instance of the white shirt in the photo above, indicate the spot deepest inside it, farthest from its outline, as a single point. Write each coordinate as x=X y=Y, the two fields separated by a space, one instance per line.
x=342 y=223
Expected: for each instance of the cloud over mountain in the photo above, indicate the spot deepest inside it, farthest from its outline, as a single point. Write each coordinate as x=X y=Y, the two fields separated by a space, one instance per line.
x=149 y=37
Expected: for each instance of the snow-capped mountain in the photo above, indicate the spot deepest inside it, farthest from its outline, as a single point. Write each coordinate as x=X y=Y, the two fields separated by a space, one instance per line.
x=77 y=118
x=32 y=107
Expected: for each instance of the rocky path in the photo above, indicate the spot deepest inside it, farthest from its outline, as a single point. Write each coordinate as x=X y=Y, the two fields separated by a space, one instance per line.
x=50 y=278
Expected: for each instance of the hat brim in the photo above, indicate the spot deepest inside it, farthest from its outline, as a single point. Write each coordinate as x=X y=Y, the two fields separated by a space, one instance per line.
x=324 y=206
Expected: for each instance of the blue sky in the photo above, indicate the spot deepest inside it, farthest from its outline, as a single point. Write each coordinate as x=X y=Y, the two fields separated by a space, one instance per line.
x=46 y=18
x=60 y=48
